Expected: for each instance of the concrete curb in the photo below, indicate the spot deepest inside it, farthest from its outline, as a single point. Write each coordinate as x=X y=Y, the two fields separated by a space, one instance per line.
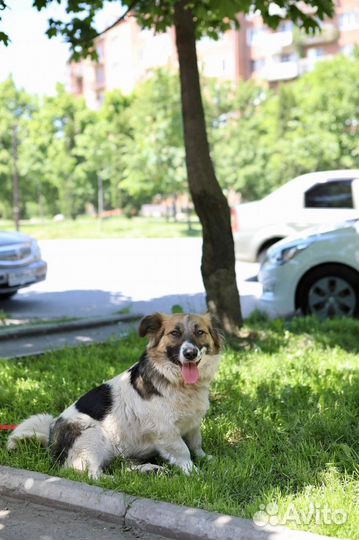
x=52 y=490
x=54 y=328
x=166 y=519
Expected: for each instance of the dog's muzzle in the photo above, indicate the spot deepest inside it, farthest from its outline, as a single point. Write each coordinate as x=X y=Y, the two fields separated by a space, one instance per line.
x=190 y=357
x=190 y=353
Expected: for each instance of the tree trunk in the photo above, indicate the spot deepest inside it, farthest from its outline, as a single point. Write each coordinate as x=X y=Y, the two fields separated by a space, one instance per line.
x=218 y=260
x=15 y=180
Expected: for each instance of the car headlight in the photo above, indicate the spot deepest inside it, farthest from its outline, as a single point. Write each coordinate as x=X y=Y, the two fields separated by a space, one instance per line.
x=282 y=256
x=35 y=249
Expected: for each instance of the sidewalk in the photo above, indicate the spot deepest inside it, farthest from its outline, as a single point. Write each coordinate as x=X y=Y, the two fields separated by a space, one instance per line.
x=24 y=520
x=27 y=340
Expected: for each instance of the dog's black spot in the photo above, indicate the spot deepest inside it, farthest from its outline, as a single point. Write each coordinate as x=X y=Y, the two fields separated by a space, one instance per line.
x=97 y=403
x=173 y=354
x=63 y=434
x=143 y=377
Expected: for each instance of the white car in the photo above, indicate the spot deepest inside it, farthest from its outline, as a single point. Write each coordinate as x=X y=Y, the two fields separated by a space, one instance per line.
x=317 y=273
x=320 y=198
x=21 y=264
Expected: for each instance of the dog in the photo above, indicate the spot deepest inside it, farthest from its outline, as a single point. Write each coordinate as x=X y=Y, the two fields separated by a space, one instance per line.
x=155 y=408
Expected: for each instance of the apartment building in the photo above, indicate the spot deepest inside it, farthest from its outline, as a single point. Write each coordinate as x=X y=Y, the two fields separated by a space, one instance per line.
x=127 y=54
x=288 y=52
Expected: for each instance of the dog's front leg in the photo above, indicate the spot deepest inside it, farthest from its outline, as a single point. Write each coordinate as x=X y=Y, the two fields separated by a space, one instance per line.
x=194 y=441
x=174 y=450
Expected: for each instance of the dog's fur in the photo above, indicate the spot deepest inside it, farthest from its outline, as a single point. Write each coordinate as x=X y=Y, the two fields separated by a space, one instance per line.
x=154 y=408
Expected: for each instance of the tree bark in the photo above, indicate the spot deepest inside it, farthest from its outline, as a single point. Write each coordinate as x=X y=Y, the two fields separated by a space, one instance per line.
x=218 y=259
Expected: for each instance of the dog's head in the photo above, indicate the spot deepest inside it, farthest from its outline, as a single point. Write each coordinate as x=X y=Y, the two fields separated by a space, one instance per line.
x=183 y=347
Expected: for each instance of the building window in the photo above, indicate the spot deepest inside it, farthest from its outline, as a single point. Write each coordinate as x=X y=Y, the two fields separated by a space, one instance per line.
x=100 y=98
x=100 y=75
x=292 y=57
x=285 y=26
x=100 y=52
x=257 y=65
x=254 y=35
x=79 y=85
x=348 y=21
x=333 y=194
x=347 y=50
x=315 y=52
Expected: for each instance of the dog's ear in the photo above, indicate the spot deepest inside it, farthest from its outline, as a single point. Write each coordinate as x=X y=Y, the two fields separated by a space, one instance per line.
x=214 y=328
x=150 y=325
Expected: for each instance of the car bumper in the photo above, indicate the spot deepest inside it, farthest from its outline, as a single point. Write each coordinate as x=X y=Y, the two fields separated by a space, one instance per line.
x=16 y=278
x=243 y=249
x=278 y=296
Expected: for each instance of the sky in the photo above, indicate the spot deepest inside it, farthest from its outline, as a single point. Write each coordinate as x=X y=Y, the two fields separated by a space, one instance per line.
x=36 y=62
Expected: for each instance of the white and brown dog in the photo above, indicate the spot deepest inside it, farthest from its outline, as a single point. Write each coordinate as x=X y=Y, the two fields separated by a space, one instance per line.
x=154 y=408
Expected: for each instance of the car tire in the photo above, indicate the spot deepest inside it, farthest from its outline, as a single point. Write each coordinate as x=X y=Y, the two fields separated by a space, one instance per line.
x=6 y=296
x=329 y=291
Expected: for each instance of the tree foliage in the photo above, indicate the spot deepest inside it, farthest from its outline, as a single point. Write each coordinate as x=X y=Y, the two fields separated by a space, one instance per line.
x=212 y=17
x=260 y=139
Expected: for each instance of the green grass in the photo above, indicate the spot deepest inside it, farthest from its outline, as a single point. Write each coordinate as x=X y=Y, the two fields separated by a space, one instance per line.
x=283 y=422
x=116 y=227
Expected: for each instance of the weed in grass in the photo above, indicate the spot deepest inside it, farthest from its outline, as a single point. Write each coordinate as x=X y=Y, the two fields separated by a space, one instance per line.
x=282 y=426
x=176 y=308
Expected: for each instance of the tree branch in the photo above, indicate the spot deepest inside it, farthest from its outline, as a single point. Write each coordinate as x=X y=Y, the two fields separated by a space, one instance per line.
x=131 y=6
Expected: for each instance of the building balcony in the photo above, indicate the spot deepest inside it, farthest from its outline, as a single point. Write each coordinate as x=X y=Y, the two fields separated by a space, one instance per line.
x=99 y=82
x=328 y=34
x=270 y=43
x=279 y=71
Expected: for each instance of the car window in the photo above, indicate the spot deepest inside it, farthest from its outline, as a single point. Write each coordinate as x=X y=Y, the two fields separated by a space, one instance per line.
x=333 y=194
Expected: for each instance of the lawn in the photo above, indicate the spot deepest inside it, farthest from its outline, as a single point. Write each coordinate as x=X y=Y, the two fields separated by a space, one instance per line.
x=282 y=427
x=115 y=227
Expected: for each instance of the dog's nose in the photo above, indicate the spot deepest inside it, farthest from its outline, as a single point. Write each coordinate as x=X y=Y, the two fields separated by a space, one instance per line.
x=190 y=353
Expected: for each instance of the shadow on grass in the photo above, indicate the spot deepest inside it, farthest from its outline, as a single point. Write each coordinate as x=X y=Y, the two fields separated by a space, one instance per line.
x=285 y=433
x=271 y=336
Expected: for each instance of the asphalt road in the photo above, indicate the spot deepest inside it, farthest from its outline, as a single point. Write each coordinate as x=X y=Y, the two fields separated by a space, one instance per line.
x=23 y=520
x=100 y=277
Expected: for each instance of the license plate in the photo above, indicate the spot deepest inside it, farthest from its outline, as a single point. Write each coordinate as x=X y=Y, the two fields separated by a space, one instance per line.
x=21 y=278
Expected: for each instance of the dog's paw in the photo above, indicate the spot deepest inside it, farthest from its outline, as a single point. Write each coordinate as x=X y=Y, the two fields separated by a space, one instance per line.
x=95 y=474
x=199 y=453
x=187 y=467
x=146 y=468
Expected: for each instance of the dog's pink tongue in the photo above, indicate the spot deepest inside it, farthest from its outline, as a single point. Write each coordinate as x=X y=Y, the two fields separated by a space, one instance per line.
x=190 y=373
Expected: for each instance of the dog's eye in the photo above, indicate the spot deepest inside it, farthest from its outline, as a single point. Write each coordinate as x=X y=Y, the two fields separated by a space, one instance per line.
x=175 y=333
x=200 y=332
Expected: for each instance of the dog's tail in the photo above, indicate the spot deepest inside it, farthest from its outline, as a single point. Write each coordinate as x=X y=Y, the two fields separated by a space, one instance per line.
x=37 y=426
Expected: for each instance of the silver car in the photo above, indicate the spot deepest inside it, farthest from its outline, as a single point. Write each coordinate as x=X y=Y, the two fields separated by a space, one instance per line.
x=316 y=272
x=21 y=264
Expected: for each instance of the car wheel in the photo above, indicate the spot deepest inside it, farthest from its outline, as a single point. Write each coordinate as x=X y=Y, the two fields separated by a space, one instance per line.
x=329 y=291
x=6 y=296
